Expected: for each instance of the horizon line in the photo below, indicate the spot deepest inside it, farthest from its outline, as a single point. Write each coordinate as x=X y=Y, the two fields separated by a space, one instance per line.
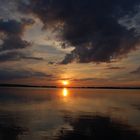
x=94 y=87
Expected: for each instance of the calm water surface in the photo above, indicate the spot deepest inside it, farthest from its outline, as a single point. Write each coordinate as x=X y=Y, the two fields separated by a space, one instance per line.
x=69 y=114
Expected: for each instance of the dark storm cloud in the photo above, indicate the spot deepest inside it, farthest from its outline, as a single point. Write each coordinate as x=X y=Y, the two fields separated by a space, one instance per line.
x=89 y=79
x=12 y=31
x=14 y=27
x=137 y=71
x=14 y=56
x=9 y=74
x=10 y=56
x=91 y=26
x=32 y=58
x=11 y=27
x=13 y=42
x=115 y=68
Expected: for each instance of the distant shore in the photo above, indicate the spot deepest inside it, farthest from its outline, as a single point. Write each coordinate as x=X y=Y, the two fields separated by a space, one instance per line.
x=95 y=87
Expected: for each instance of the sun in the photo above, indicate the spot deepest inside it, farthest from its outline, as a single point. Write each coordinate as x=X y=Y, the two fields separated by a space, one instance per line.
x=65 y=82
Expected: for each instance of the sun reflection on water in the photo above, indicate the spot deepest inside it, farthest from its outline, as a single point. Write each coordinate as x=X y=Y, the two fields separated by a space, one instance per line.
x=65 y=92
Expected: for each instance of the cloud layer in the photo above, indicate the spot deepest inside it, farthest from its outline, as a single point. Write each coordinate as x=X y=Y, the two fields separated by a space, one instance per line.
x=11 y=74
x=16 y=56
x=91 y=26
x=137 y=71
x=11 y=36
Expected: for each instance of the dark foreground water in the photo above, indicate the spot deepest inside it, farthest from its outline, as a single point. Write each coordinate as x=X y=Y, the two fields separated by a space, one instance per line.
x=69 y=114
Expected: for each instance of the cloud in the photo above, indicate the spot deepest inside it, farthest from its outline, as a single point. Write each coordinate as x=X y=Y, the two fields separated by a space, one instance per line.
x=51 y=63
x=137 y=71
x=12 y=31
x=32 y=58
x=91 y=26
x=11 y=74
x=115 y=68
x=14 y=27
x=8 y=9
x=14 y=56
x=89 y=79
x=13 y=42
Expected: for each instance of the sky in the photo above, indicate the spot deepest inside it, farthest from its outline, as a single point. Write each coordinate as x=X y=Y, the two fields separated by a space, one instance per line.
x=87 y=42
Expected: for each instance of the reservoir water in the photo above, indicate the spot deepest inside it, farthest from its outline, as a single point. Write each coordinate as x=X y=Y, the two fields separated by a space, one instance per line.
x=69 y=114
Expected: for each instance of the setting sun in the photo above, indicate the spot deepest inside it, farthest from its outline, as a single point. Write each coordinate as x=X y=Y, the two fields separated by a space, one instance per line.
x=65 y=83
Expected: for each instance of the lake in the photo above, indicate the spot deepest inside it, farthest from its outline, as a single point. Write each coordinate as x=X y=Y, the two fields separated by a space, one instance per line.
x=69 y=114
